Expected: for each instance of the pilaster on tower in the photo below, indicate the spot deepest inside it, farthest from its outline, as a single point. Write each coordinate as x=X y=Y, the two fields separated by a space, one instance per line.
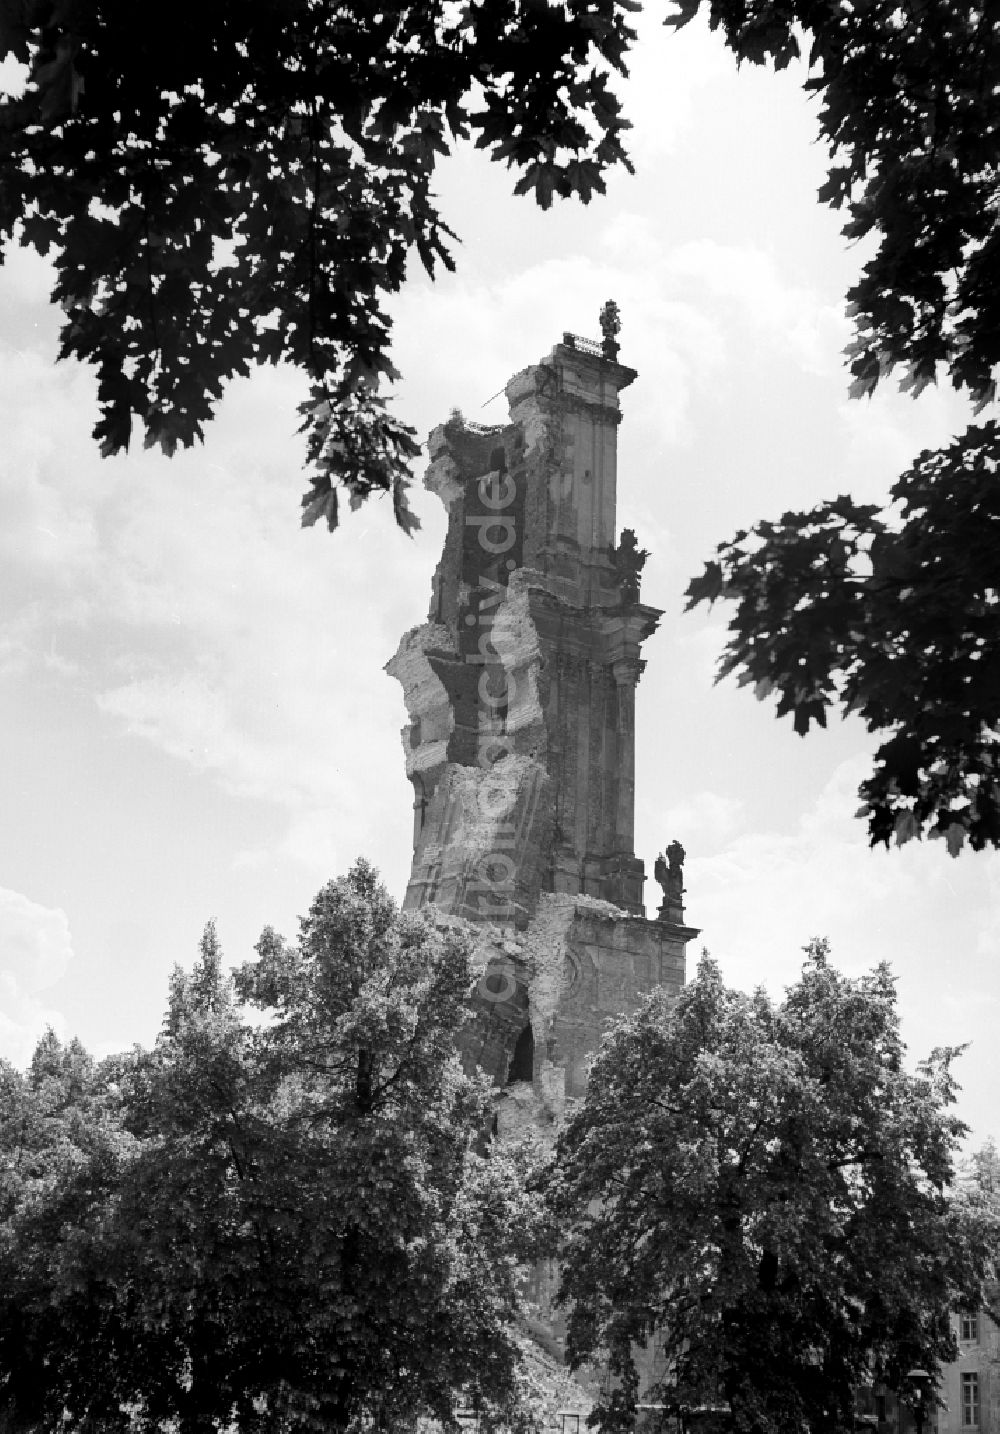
x=520 y=689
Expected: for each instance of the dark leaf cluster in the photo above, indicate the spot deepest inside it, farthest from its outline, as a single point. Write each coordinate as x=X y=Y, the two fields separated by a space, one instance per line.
x=910 y=110
x=245 y=183
x=894 y=616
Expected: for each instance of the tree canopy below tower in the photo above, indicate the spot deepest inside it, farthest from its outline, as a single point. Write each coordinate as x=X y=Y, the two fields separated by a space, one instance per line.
x=765 y=1194
x=268 y=1221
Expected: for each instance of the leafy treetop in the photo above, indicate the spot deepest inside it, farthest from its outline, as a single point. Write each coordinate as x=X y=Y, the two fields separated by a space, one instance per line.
x=274 y=1224
x=762 y=1192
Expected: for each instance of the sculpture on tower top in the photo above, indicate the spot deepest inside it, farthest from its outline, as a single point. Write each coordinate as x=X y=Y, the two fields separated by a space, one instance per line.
x=611 y=325
x=628 y=560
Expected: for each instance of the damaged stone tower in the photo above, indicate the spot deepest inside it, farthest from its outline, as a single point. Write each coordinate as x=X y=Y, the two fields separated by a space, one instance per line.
x=520 y=691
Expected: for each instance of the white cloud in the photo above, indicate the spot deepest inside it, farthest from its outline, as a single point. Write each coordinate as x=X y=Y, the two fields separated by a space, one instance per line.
x=679 y=347
x=761 y=898
x=35 y=944
x=188 y=718
x=693 y=312
x=13 y=76
x=35 y=950
x=886 y=433
x=315 y=839
x=184 y=599
x=47 y=529
x=700 y=641
x=793 y=314
x=668 y=71
x=771 y=891
x=705 y=819
x=987 y=948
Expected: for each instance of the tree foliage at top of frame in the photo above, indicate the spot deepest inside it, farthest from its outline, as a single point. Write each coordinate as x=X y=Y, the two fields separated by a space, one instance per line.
x=895 y=621
x=892 y=612
x=910 y=111
x=244 y=182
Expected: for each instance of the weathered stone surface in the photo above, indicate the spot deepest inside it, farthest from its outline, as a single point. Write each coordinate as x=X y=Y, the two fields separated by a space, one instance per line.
x=482 y=848
x=520 y=695
x=533 y=638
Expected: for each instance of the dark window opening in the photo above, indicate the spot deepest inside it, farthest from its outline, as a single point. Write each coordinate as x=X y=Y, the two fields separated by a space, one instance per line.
x=522 y=1062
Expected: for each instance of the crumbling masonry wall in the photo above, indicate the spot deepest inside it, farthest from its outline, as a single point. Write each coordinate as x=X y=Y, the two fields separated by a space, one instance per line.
x=520 y=695
x=520 y=698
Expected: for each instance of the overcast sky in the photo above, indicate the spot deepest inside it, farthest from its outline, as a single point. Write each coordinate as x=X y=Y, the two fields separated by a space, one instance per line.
x=193 y=714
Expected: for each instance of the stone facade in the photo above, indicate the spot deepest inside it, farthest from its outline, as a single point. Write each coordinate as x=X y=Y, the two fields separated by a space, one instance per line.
x=966 y=1398
x=970 y=1387
x=520 y=692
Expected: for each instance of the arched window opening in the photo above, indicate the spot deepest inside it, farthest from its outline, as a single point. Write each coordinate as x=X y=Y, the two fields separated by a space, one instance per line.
x=522 y=1062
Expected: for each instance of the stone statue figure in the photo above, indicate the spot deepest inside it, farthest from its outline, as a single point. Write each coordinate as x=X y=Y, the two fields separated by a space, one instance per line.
x=668 y=869
x=611 y=324
x=628 y=560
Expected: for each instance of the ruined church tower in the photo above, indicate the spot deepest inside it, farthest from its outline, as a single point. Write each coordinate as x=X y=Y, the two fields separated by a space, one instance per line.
x=520 y=691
